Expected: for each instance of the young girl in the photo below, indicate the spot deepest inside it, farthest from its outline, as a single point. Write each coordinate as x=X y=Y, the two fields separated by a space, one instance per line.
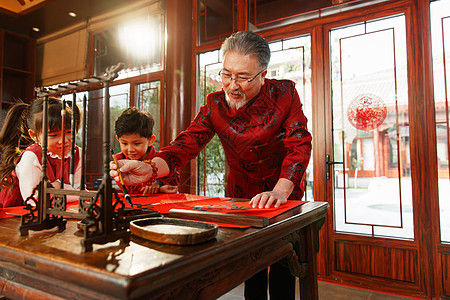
x=20 y=172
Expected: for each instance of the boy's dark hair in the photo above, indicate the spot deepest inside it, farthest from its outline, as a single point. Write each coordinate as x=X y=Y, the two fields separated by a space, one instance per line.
x=20 y=118
x=133 y=120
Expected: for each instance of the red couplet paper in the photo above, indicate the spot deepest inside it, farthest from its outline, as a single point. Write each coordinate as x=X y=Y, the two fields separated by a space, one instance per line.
x=165 y=202
x=12 y=211
x=227 y=206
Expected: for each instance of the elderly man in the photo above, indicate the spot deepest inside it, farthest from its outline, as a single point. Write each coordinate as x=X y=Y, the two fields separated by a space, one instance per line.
x=262 y=128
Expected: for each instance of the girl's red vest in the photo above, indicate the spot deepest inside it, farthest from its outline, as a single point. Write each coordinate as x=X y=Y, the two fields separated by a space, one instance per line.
x=12 y=196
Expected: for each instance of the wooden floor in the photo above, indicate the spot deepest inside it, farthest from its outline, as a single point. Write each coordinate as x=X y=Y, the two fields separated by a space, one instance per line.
x=327 y=291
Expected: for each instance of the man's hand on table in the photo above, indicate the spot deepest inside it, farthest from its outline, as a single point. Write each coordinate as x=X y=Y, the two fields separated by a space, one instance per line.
x=276 y=197
x=267 y=199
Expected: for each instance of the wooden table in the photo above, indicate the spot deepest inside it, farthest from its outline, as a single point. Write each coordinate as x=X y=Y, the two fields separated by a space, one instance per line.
x=50 y=265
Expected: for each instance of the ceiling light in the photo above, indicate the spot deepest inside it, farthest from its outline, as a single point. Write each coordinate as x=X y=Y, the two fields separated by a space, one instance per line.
x=35 y=29
x=72 y=14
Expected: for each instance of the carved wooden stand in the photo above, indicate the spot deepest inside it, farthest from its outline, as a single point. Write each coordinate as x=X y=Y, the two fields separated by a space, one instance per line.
x=101 y=211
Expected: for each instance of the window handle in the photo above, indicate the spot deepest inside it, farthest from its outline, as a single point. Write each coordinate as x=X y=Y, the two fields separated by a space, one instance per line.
x=329 y=163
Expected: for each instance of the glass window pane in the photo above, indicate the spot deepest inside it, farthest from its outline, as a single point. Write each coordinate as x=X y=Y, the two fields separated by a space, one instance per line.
x=211 y=161
x=137 y=43
x=261 y=12
x=264 y=14
x=119 y=100
x=149 y=99
x=216 y=20
x=291 y=59
x=372 y=183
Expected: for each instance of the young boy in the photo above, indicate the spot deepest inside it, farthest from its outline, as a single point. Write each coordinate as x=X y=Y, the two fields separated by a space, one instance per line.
x=134 y=131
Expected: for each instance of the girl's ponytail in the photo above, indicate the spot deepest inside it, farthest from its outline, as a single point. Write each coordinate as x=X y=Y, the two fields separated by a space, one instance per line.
x=13 y=137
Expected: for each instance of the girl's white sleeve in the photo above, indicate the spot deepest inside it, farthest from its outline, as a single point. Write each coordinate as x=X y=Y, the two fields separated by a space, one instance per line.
x=28 y=172
x=77 y=179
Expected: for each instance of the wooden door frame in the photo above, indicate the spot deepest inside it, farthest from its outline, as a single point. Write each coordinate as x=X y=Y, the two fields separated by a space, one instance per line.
x=423 y=144
x=423 y=155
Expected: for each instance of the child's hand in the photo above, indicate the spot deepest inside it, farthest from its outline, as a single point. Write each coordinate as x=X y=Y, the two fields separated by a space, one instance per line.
x=153 y=189
x=168 y=189
x=56 y=184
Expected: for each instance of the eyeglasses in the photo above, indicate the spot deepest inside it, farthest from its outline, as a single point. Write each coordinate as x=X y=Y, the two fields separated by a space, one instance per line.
x=226 y=78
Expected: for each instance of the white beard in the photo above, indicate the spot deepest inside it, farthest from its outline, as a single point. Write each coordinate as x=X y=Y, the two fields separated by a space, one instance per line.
x=233 y=104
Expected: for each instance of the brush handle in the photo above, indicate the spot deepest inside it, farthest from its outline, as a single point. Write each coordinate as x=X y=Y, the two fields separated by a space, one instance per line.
x=124 y=187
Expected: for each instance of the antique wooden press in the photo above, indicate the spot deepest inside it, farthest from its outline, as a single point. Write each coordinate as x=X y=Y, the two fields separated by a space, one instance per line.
x=102 y=211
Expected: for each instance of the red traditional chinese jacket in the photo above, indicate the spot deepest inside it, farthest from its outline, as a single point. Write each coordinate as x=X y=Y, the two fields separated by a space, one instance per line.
x=13 y=197
x=264 y=140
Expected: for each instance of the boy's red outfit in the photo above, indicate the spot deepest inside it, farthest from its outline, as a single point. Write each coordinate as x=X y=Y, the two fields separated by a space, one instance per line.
x=264 y=140
x=173 y=179
x=12 y=196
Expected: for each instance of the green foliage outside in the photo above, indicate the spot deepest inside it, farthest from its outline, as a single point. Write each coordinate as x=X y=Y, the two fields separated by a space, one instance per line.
x=214 y=158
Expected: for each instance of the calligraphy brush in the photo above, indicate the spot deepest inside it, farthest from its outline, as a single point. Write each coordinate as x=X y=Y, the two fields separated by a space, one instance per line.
x=124 y=188
x=63 y=141
x=83 y=145
x=72 y=144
